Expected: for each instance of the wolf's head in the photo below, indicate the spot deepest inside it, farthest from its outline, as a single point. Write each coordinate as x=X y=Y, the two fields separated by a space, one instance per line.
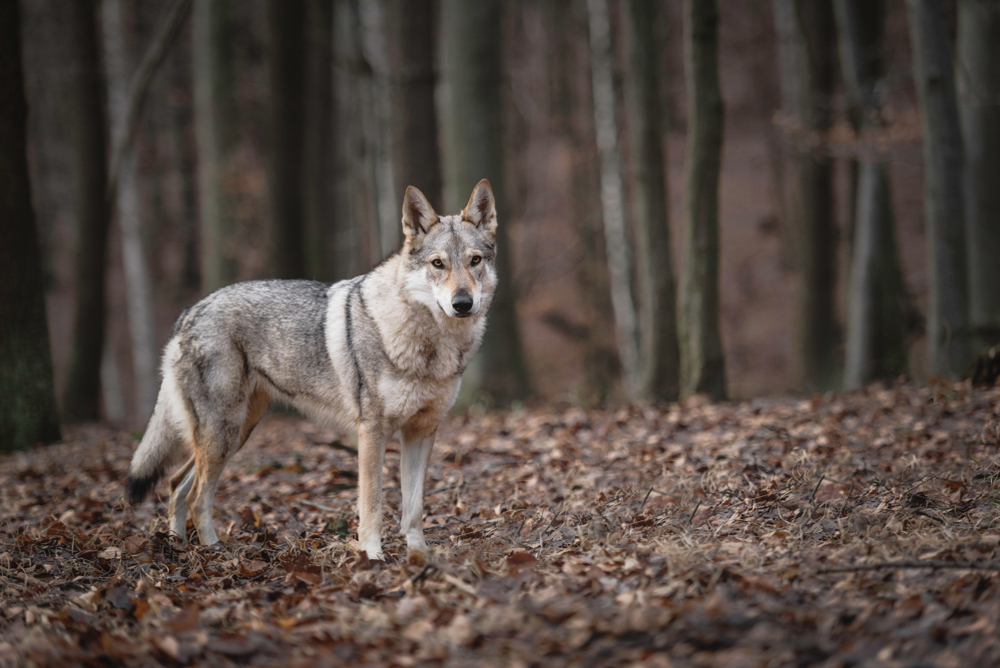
x=451 y=259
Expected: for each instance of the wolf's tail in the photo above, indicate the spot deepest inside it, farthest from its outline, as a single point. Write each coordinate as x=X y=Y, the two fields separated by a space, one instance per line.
x=158 y=449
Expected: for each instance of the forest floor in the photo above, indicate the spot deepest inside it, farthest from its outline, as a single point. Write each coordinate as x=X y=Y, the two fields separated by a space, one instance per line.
x=847 y=530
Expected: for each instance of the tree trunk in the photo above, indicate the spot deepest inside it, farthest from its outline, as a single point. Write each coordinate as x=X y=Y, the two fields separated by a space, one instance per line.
x=473 y=76
x=978 y=74
x=82 y=392
x=28 y=412
x=139 y=295
x=413 y=49
x=573 y=111
x=286 y=68
x=317 y=165
x=612 y=197
x=702 y=363
x=806 y=41
x=660 y=378
x=215 y=117
x=944 y=207
x=876 y=300
x=375 y=48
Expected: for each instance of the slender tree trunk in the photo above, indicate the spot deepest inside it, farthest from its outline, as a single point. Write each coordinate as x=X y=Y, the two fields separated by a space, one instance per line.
x=286 y=68
x=473 y=76
x=978 y=72
x=418 y=160
x=81 y=398
x=660 y=358
x=612 y=197
x=186 y=165
x=355 y=239
x=702 y=362
x=944 y=206
x=375 y=49
x=806 y=40
x=567 y=21
x=138 y=292
x=215 y=116
x=28 y=412
x=317 y=167
x=876 y=302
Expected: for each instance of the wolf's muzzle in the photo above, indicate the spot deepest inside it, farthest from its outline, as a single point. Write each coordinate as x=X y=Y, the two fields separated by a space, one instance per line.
x=462 y=303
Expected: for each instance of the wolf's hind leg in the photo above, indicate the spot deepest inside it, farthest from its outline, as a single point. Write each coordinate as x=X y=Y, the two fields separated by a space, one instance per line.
x=418 y=440
x=217 y=443
x=180 y=485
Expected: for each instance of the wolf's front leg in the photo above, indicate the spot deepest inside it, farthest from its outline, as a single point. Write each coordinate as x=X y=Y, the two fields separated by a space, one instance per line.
x=418 y=440
x=371 y=452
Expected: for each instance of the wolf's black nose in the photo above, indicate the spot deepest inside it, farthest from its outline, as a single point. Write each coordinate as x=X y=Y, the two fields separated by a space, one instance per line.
x=462 y=302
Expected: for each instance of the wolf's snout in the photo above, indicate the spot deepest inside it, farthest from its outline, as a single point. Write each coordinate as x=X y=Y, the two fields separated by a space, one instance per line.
x=462 y=302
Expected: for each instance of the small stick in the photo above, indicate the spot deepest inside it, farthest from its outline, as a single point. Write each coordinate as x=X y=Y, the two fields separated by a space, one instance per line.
x=696 y=507
x=909 y=563
x=343 y=446
x=325 y=509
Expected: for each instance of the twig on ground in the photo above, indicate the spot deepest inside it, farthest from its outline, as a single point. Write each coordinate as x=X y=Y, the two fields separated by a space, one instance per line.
x=343 y=446
x=911 y=563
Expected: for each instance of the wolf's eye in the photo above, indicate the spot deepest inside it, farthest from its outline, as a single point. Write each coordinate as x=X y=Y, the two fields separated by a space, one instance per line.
x=476 y=260
x=437 y=263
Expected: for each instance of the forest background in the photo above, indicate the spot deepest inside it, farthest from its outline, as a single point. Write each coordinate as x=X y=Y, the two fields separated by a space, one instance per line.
x=177 y=147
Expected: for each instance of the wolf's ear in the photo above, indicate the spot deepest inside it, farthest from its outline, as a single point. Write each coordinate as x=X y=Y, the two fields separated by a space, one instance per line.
x=481 y=210
x=418 y=216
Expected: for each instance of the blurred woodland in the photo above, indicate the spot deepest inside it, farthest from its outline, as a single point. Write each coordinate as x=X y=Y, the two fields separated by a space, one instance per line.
x=744 y=198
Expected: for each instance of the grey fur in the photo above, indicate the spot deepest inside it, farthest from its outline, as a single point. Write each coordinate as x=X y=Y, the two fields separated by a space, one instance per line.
x=381 y=352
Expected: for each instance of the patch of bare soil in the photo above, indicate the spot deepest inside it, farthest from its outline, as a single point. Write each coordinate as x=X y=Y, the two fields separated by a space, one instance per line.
x=857 y=529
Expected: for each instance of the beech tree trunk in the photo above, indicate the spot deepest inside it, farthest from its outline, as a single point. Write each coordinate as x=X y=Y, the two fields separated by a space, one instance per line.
x=574 y=118
x=375 y=49
x=286 y=68
x=944 y=205
x=876 y=302
x=413 y=48
x=473 y=150
x=83 y=386
x=317 y=169
x=138 y=292
x=613 y=198
x=806 y=48
x=702 y=362
x=978 y=72
x=660 y=357
x=28 y=412
x=215 y=121
x=356 y=235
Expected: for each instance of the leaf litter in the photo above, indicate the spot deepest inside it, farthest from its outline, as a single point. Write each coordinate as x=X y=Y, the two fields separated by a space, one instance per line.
x=847 y=530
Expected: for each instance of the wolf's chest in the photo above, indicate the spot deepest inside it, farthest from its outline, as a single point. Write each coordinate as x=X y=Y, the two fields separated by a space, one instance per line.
x=404 y=397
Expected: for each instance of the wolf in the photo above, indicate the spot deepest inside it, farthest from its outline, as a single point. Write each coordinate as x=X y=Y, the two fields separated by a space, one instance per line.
x=381 y=352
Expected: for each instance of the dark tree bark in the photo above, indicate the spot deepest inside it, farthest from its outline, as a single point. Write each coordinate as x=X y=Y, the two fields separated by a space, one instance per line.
x=28 y=412
x=83 y=384
x=876 y=300
x=978 y=72
x=944 y=206
x=659 y=354
x=414 y=49
x=215 y=131
x=473 y=74
x=806 y=39
x=317 y=169
x=702 y=362
x=287 y=97
x=356 y=235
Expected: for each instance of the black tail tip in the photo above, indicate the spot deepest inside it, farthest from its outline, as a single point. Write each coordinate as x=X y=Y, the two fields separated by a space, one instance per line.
x=138 y=488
